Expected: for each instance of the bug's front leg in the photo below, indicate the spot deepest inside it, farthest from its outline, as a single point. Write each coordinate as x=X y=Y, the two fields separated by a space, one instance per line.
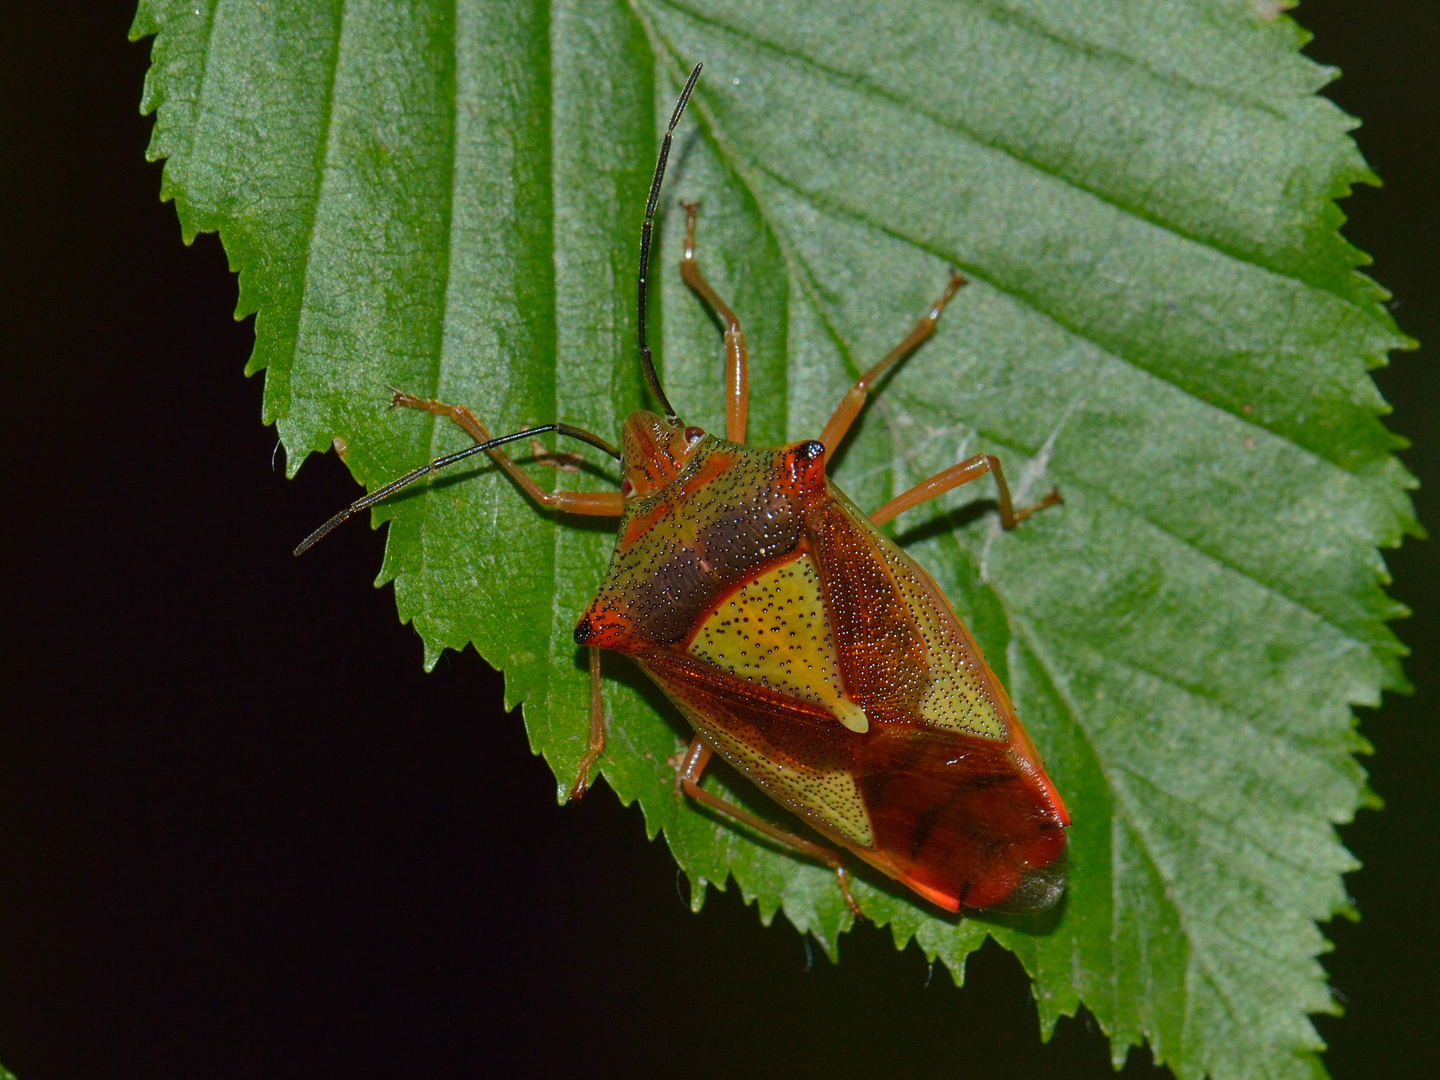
x=697 y=757
x=594 y=503
x=596 y=745
x=854 y=399
x=737 y=376
x=967 y=470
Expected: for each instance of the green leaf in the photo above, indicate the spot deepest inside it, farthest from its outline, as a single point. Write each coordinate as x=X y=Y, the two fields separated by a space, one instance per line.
x=1162 y=320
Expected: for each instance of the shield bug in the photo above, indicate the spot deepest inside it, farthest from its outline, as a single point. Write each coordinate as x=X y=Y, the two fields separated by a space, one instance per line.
x=797 y=640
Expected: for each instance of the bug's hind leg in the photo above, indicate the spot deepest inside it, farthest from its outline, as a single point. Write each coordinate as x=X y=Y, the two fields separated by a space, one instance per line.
x=596 y=503
x=697 y=757
x=596 y=745
x=737 y=377
x=967 y=470
x=854 y=399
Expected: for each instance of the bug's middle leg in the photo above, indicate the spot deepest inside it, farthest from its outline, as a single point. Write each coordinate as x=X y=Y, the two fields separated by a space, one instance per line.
x=596 y=745
x=595 y=503
x=967 y=470
x=737 y=376
x=697 y=757
x=854 y=399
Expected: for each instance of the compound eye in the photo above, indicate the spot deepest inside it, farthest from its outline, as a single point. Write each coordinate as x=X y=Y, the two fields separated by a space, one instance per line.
x=693 y=435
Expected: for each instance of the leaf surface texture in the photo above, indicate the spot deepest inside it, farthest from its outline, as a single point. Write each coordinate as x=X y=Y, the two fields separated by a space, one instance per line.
x=1162 y=320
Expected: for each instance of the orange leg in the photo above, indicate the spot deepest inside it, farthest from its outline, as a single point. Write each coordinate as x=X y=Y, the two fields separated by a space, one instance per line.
x=596 y=503
x=969 y=469
x=737 y=378
x=596 y=745
x=697 y=757
x=854 y=399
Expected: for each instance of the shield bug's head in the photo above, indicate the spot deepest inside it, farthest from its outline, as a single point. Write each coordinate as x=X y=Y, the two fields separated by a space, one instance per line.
x=654 y=450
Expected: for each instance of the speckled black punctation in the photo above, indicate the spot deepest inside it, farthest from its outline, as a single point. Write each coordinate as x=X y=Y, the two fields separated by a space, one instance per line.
x=706 y=539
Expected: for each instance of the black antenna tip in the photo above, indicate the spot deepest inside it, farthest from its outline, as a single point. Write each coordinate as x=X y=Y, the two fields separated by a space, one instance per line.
x=685 y=94
x=647 y=363
x=323 y=531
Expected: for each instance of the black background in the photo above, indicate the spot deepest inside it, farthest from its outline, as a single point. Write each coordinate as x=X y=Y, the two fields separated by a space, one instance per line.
x=244 y=835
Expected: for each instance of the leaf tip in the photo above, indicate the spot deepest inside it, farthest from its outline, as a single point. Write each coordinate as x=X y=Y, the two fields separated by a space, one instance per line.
x=144 y=24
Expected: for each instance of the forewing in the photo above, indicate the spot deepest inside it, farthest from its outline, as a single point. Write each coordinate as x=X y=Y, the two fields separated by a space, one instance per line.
x=796 y=751
x=904 y=655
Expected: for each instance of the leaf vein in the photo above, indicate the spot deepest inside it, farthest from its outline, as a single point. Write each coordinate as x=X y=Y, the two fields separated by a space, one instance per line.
x=1200 y=955
x=1090 y=48
x=446 y=259
x=1198 y=808
x=204 y=74
x=957 y=127
x=312 y=210
x=1114 y=499
x=1032 y=639
x=827 y=206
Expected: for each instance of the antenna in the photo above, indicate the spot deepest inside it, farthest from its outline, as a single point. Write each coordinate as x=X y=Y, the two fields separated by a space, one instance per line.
x=647 y=364
x=380 y=494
